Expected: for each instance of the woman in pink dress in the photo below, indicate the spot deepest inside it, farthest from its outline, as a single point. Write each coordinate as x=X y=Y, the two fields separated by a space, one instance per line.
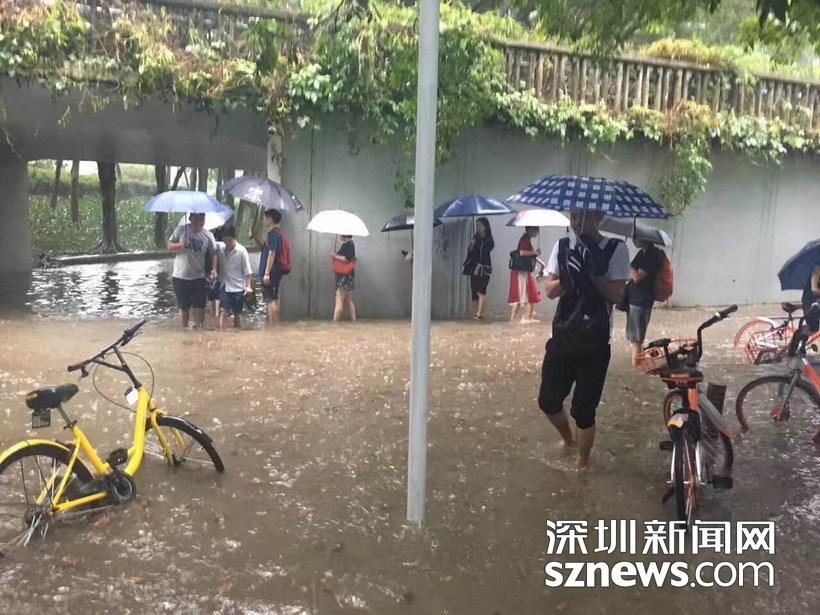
x=523 y=289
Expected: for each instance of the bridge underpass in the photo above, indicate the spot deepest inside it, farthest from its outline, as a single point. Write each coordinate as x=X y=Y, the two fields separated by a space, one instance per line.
x=39 y=125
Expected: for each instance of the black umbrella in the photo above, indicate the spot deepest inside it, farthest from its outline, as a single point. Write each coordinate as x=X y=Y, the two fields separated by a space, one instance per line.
x=263 y=192
x=795 y=273
x=404 y=222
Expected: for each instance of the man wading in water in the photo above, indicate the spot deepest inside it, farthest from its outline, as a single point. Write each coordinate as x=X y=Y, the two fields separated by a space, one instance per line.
x=588 y=272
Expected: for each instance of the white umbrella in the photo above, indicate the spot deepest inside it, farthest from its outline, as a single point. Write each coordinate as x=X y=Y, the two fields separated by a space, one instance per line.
x=338 y=222
x=212 y=219
x=539 y=217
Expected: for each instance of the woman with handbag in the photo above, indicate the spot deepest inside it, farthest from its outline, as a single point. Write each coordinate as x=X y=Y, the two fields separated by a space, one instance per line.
x=479 y=266
x=344 y=266
x=523 y=289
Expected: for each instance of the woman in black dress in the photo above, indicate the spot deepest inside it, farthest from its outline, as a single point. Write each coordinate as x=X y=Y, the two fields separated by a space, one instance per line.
x=481 y=265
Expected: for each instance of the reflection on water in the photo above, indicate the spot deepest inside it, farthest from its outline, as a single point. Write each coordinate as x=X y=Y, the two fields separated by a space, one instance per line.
x=127 y=289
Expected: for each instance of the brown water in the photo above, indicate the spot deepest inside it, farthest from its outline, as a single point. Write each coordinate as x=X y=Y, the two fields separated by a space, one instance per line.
x=309 y=517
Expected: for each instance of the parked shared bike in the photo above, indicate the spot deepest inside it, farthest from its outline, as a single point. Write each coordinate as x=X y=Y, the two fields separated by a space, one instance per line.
x=44 y=480
x=700 y=438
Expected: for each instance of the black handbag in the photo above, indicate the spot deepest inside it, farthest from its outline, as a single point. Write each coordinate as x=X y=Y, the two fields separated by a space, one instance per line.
x=521 y=263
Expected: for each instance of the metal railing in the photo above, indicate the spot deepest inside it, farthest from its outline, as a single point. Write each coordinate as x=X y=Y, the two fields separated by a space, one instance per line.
x=624 y=82
x=551 y=71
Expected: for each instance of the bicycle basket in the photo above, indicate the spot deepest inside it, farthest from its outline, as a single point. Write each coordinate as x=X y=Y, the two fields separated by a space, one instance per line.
x=654 y=360
x=765 y=347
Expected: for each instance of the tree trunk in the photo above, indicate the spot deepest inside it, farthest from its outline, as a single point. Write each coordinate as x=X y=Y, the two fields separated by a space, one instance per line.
x=203 y=179
x=108 y=190
x=192 y=179
x=180 y=173
x=228 y=175
x=220 y=179
x=58 y=169
x=75 y=197
x=161 y=219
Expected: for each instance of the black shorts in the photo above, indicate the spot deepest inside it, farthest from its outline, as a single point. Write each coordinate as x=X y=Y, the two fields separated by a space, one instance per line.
x=231 y=302
x=478 y=285
x=271 y=292
x=190 y=293
x=586 y=371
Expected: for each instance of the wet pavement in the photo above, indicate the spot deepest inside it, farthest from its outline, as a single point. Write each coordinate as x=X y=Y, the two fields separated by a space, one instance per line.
x=310 y=420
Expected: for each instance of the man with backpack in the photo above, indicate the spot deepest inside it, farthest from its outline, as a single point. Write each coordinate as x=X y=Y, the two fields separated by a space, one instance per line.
x=274 y=262
x=587 y=273
x=645 y=286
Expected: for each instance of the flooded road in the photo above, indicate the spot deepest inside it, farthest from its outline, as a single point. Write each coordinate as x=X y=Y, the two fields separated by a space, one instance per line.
x=309 y=517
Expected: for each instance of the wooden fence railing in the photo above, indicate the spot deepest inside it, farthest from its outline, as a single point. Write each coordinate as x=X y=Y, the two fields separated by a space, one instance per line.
x=550 y=71
x=626 y=82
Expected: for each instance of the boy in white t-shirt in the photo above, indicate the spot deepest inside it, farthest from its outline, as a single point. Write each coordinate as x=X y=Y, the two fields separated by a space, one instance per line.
x=587 y=273
x=234 y=277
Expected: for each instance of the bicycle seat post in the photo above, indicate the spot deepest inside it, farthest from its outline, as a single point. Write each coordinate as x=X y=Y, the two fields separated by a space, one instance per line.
x=69 y=424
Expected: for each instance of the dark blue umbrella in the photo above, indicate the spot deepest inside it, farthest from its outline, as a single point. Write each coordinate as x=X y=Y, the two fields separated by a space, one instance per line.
x=795 y=273
x=404 y=222
x=617 y=199
x=471 y=206
x=186 y=201
x=262 y=191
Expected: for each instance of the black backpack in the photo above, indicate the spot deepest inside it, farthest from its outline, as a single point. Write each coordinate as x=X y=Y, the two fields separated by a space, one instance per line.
x=581 y=322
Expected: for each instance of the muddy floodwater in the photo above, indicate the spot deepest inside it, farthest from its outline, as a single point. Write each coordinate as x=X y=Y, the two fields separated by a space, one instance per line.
x=309 y=517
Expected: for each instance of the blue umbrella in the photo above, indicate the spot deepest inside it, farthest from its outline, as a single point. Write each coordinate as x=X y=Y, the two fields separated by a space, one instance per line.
x=471 y=206
x=795 y=272
x=262 y=191
x=186 y=201
x=617 y=199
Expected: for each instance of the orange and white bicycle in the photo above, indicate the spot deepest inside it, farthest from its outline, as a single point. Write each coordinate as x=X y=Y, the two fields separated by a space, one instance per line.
x=765 y=340
x=700 y=438
x=774 y=398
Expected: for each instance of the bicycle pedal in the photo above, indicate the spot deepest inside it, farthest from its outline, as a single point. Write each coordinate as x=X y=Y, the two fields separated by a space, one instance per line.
x=722 y=482
x=666 y=445
x=117 y=457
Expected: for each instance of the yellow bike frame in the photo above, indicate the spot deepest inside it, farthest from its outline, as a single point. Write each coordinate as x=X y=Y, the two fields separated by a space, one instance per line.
x=146 y=410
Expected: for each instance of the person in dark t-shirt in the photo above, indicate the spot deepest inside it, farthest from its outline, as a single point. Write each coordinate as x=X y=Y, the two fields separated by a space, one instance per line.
x=269 y=270
x=345 y=282
x=640 y=291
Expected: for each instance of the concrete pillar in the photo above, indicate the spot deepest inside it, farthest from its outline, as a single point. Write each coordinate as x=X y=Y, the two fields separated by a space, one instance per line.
x=15 y=248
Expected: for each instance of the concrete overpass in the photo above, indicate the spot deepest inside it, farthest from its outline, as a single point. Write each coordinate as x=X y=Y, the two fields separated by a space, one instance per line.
x=38 y=125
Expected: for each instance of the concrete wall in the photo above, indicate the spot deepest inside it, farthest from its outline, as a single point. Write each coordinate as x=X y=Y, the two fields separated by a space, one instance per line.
x=728 y=246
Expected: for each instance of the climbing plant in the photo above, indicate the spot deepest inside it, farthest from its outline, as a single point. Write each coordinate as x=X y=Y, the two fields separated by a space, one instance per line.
x=359 y=64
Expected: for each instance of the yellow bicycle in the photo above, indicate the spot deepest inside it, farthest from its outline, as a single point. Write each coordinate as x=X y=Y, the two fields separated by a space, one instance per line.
x=45 y=480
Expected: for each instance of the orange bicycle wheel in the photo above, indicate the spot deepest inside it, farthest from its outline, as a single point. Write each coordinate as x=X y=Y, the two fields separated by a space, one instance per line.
x=744 y=334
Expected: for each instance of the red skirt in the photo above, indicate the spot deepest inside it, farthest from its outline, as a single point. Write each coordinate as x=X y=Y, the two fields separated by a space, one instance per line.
x=523 y=288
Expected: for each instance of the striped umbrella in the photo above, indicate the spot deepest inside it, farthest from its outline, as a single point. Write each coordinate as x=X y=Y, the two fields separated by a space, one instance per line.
x=617 y=199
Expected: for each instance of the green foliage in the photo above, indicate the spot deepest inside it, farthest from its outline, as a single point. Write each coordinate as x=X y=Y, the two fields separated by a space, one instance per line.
x=746 y=62
x=52 y=230
x=605 y=25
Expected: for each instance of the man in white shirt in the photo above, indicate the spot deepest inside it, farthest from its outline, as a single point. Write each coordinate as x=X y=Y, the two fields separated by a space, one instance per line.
x=587 y=273
x=234 y=277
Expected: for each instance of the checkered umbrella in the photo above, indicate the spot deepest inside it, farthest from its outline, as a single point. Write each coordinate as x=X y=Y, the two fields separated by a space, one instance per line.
x=617 y=199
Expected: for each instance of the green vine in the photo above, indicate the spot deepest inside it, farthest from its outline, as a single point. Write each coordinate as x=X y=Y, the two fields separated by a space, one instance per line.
x=359 y=64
